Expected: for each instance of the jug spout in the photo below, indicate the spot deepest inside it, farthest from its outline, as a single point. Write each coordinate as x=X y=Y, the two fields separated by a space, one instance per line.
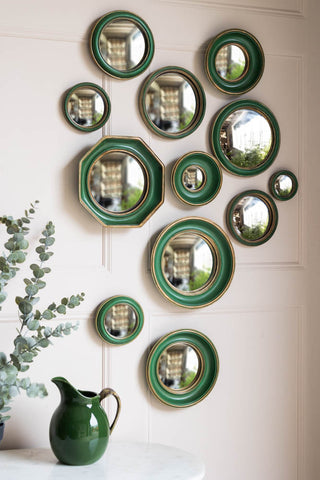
x=67 y=391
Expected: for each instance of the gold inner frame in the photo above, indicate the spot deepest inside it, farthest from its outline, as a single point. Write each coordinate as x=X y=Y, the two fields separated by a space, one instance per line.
x=247 y=62
x=146 y=189
x=213 y=275
x=203 y=183
x=197 y=377
x=136 y=325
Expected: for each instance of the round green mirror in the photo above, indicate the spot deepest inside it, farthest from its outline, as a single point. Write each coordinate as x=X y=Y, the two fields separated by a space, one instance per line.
x=182 y=368
x=122 y=44
x=252 y=217
x=196 y=178
x=245 y=137
x=283 y=185
x=87 y=107
x=234 y=61
x=118 y=182
x=119 y=320
x=172 y=102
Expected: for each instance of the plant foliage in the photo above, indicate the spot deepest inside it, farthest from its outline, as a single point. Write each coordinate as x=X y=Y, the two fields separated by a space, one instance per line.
x=33 y=334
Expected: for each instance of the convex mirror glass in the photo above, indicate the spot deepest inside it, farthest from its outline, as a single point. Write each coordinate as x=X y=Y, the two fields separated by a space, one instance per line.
x=117 y=182
x=188 y=262
x=179 y=366
x=231 y=62
x=245 y=137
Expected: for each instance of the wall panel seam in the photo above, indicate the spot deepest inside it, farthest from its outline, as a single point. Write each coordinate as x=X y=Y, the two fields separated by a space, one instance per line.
x=282 y=12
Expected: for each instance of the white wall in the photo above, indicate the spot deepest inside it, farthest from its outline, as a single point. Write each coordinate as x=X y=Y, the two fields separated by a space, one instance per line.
x=252 y=424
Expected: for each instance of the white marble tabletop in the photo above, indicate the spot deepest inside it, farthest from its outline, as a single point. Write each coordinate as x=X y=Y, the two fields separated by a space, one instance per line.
x=122 y=461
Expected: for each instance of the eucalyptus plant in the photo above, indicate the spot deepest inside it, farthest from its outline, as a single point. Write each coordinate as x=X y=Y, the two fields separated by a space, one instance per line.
x=33 y=334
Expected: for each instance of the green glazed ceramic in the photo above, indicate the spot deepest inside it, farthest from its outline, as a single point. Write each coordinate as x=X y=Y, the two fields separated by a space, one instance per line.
x=234 y=81
x=195 y=383
x=79 y=428
x=196 y=178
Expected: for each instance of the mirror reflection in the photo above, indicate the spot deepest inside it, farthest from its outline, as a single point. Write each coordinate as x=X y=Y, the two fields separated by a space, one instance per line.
x=283 y=185
x=117 y=182
x=170 y=102
x=246 y=138
x=193 y=178
x=179 y=366
x=86 y=107
x=230 y=62
x=188 y=262
x=251 y=218
x=122 y=44
x=120 y=320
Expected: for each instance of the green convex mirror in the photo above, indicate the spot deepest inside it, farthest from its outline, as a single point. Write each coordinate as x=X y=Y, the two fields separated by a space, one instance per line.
x=172 y=102
x=87 y=107
x=245 y=137
x=122 y=44
x=234 y=61
x=196 y=178
x=252 y=217
x=119 y=320
x=121 y=181
x=192 y=262
x=283 y=185
x=182 y=368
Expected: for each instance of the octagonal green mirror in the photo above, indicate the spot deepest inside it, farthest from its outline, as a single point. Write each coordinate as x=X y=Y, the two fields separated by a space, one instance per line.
x=121 y=182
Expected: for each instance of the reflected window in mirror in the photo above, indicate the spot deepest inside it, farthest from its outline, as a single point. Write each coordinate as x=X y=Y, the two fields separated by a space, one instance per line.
x=245 y=137
x=231 y=62
x=252 y=217
x=179 y=367
x=118 y=182
x=283 y=185
x=188 y=262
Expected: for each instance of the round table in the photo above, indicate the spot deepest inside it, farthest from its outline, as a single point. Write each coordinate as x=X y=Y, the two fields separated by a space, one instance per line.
x=122 y=461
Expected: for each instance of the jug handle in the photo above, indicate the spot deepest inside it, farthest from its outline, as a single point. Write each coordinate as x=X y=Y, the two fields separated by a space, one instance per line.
x=104 y=394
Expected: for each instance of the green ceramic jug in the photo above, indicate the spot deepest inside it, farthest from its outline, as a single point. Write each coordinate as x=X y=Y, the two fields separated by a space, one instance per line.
x=79 y=428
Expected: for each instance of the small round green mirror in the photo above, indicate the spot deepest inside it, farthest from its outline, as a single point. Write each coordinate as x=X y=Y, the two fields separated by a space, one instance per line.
x=119 y=320
x=87 y=107
x=283 y=185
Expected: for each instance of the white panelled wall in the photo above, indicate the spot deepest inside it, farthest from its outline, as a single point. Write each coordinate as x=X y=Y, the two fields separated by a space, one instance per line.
x=260 y=421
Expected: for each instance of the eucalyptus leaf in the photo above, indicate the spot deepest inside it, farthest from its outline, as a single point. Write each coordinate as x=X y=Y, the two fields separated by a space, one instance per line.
x=25 y=307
